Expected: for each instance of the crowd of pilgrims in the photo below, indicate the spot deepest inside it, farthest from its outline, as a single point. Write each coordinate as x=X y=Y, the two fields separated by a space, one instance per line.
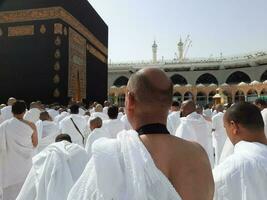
x=59 y=153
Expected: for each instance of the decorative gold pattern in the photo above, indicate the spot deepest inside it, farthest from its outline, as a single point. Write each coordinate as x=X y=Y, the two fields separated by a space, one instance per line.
x=43 y=29
x=57 y=54
x=56 y=79
x=57 y=66
x=96 y=53
x=20 y=30
x=56 y=93
x=65 y=30
x=77 y=65
x=58 y=28
x=57 y=41
x=51 y=13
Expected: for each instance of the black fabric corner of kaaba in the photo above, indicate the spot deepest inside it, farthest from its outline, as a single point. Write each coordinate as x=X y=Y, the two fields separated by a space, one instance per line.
x=27 y=62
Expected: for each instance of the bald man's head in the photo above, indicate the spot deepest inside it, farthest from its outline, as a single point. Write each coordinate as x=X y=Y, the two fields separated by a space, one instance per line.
x=151 y=87
x=44 y=116
x=11 y=101
x=219 y=108
x=187 y=108
x=95 y=123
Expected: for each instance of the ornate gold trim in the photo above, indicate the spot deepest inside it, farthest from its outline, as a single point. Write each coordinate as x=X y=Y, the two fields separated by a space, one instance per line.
x=96 y=53
x=43 y=29
x=20 y=30
x=56 y=93
x=51 y=13
x=58 y=28
x=57 y=66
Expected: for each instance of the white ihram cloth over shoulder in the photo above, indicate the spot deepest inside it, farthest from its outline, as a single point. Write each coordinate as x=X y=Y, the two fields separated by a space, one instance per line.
x=67 y=127
x=6 y=113
x=47 y=133
x=219 y=135
x=54 y=172
x=195 y=128
x=122 y=169
x=95 y=135
x=264 y=116
x=32 y=115
x=113 y=127
x=16 y=152
x=243 y=175
x=173 y=121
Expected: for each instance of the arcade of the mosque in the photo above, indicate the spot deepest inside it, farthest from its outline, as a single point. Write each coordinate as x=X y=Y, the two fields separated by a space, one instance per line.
x=212 y=80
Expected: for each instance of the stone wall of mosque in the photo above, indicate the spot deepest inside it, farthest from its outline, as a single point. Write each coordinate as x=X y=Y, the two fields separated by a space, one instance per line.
x=237 y=83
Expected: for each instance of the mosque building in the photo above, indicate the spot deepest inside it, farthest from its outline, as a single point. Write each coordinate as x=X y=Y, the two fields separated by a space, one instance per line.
x=212 y=80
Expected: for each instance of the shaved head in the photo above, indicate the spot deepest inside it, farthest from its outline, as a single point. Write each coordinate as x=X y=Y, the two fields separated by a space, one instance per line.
x=44 y=116
x=188 y=107
x=11 y=101
x=95 y=123
x=152 y=87
x=219 y=108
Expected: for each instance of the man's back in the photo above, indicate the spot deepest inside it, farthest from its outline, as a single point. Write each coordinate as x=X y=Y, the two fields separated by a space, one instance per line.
x=184 y=163
x=68 y=127
x=113 y=127
x=242 y=175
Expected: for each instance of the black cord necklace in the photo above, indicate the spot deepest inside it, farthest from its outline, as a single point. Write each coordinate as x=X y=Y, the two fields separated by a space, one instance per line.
x=150 y=129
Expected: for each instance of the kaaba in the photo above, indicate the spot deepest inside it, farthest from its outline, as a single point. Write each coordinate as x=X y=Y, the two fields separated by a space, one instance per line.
x=53 y=51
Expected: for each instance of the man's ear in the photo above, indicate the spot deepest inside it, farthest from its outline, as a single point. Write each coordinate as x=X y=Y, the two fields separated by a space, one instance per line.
x=130 y=101
x=234 y=127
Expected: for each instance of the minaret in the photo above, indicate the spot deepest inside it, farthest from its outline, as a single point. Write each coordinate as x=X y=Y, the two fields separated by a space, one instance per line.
x=181 y=49
x=154 y=51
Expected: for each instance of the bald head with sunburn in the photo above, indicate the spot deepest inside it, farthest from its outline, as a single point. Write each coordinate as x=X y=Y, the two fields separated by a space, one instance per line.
x=149 y=96
x=151 y=86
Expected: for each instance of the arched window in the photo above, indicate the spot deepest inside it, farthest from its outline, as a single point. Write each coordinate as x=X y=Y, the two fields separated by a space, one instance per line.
x=201 y=99
x=207 y=79
x=239 y=96
x=177 y=97
x=122 y=80
x=188 y=96
x=238 y=77
x=178 y=79
x=264 y=76
x=252 y=95
x=211 y=95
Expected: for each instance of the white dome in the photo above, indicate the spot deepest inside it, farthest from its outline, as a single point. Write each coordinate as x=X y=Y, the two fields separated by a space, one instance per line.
x=177 y=85
x=265 y=82
x=212 y=85
x=188 y=85
x=113 y=87
x=242 y=84
x=254 y=83
x=224 y=84
x=200 y=85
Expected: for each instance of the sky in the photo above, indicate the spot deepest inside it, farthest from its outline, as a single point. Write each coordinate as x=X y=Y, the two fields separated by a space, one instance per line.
x=230 y=27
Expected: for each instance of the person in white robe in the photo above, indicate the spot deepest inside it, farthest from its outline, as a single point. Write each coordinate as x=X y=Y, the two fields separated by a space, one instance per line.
x=106 y=105
x=262 y=105
x=97 y=131
x=63 y=113
x=151 y=165
x=208 y=111
x=53 y=113
x=17 y=141
x=47 y=131
x=75 y=126
x=243 y=175
x=33 y=114
x=125 y=121
x=98 y=112
x=54 y=172
x=194 y=127
x=6 y=112
x=114 y=125
x=173 y=120
x=219 y=133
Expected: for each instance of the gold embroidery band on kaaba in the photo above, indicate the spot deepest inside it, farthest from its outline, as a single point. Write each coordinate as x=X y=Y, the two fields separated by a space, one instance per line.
x=51 y=13
x=20 y=31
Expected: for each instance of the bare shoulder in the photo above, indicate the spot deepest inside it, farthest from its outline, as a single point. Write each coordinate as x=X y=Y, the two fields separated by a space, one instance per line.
x=191 y=171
